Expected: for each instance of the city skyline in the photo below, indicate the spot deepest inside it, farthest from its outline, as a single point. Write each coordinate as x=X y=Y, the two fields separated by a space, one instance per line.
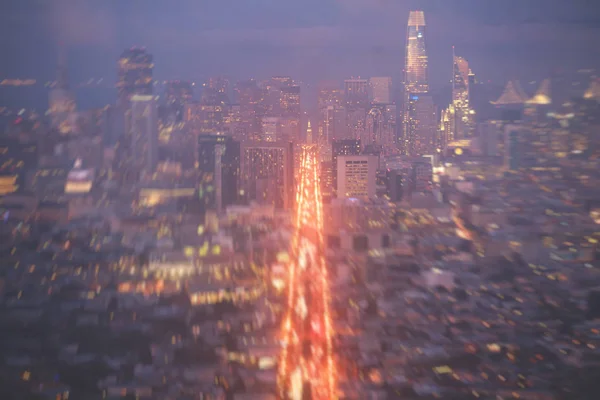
x=498 y=41
x=299 y=200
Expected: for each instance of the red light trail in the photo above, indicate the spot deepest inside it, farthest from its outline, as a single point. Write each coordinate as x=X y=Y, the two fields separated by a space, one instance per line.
x=306 y=365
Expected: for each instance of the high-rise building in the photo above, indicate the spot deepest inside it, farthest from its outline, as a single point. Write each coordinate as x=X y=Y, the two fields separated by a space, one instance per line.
x=218 y=161
x=326 y=178
x=416 y=68
x=62 y=100
x=250 y=98
x=332 y=126
x=267 y=173
x=178 y=94
x=134 y=74
x=270 y=129
x=421 y=175
x=447 y=128
x=144 y=134
x=344 y=147
x=290 y=101
x=356 y=122
x=491 y=134
x=381 y=126
x=332 y=118
x=418 y=129
x=329 y=95
x=356 y=176
x=398 y=184
x=356 y=93
x=380 y=90
x=460 y=98
x=421 y=127
x=203 y=118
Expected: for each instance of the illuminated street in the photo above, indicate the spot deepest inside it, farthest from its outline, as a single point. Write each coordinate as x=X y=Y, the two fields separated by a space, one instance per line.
x=306 y=369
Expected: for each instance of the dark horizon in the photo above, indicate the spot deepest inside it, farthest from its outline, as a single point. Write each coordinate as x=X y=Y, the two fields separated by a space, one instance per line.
x=311 y=41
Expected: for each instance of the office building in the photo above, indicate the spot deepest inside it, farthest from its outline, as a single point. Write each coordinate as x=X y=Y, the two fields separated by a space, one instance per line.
x=332 y=126
x=290 y=101
x=326 y=178
x=250 y=98
x=421 y=127
x=446 y=132
x=134 y=74
x=398 y=184
x=356 y=122
x=491 y=134
x=270 y=129
x=463 y=120
x=356 y=93
x=267 y=173
x=179 y=92
x=144 y=134
x=381 y=126
x=380 y=90
x=329 y=95
x=218 y=165
x=416 y=86
x=177 y=95
x=416 y=67
x=356 y=176
x=344 y=147
x=61 y=101
x=421 y=178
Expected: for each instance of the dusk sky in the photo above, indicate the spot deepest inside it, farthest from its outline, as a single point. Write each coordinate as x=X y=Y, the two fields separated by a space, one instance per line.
x=307 y=39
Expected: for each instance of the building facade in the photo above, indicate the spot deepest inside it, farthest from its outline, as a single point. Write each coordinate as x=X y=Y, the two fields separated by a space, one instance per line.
x=134 y=74
x=356 y=176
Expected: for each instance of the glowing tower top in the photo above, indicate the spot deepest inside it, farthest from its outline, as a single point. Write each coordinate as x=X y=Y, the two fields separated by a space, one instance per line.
x=415 y=71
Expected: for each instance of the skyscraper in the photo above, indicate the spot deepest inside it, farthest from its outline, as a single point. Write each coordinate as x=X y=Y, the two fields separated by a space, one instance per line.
x=419 y=111
x=144 y=134
x=267 y=172
x=270 y=129
x=290 y=101
x=421 y=125
x=346 y=147
x=179 y=92
x=134 y=74
x=332 y=119
x=460 y=97
x=380 y=127
x=61 y=100
x=218 y=161
x=250 y=99
x=356 y=93
x=380 y=90
x=415 y=72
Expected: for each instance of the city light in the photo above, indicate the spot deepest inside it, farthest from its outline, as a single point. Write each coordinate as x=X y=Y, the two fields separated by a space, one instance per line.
x=306 y=367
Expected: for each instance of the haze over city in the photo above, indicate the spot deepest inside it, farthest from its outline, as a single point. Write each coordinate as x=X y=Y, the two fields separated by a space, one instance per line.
x=299 y=200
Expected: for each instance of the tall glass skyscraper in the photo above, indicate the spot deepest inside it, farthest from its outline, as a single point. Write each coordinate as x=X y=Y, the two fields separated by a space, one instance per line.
x=460 y=97
x=415 y=71
x=419 y=110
